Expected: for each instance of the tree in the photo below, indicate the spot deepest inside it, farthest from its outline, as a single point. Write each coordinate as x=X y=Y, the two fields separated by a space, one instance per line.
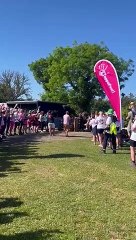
x=101 y=104
x=13 y=86
x=125 y=103
x=67 y=74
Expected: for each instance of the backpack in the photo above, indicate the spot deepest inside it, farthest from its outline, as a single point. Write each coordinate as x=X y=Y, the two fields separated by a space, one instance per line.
x=113 y=128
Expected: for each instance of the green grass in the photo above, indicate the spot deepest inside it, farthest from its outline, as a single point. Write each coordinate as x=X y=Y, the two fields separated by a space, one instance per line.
x=68 y=190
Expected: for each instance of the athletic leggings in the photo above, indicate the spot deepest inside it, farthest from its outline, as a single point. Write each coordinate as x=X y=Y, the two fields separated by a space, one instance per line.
x=113 y=140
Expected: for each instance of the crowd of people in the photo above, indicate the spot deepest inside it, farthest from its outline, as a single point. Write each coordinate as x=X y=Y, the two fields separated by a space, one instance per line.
x=17 y=121
x=105 y=127
x=108 y=131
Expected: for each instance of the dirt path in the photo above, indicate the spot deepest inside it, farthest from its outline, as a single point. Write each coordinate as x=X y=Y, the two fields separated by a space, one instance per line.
x=61 y=136
x=42 y=137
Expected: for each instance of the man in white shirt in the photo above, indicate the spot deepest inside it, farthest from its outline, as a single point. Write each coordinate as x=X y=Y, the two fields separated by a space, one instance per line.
x=66 y=123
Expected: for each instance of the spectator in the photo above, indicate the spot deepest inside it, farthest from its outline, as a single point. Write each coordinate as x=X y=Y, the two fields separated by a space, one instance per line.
x=66 y=123
x=51 y=125
x=110 y=131
x=133 y=144
x=130 y=117
x=101 y=124
x=93 y=124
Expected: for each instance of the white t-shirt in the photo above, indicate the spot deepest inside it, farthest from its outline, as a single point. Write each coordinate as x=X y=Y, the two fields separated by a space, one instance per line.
x=66 y=119
x=16 y=116
x=93 y=122
x=108 y=121
x=101 y=122
x=133 y=134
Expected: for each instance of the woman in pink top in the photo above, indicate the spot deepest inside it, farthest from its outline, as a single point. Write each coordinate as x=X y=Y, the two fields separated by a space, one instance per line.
x=21 y=116
x=12 y=123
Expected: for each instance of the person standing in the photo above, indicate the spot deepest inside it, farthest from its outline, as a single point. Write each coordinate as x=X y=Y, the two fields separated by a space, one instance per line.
x=133 y=144
x=130 y=117
x=118 y=137
x=66 y=123
x=110 y=131
x=2 y=124
x=133 y=108
x=101 y=124
x=51 y=124
x=93 y=124
x=41 y=120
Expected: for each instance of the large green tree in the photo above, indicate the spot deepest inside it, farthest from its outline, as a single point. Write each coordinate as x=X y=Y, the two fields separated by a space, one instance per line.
x=67 y=74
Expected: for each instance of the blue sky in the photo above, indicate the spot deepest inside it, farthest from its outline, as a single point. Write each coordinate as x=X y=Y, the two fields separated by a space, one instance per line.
x=31 y=29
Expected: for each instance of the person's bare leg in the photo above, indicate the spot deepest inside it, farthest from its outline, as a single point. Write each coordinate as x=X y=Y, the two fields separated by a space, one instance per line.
x=50 y=130
x=53 y=131
x=100 y=140
x=94 y=139
x=132 y=152
x=67 y=132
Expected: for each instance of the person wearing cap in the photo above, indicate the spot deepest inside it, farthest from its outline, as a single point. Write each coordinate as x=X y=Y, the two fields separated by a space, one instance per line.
x=110 y=131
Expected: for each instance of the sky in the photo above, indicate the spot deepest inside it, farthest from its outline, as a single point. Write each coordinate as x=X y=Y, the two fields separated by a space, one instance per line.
x=31 y=29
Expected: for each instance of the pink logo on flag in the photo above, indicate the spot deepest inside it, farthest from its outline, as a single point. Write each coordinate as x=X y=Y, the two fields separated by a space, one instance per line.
x=108 y=78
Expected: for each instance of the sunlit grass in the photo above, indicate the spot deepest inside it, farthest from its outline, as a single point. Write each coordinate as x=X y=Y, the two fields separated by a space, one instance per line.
x=66 y=190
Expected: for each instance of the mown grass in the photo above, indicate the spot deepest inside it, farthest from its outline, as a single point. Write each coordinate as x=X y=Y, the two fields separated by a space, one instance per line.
x=66 y=190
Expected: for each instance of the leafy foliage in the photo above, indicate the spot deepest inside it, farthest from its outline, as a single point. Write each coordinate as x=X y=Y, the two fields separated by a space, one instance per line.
x=101 y=104
x=125 y=102
x=13 y=86
x=67 y=74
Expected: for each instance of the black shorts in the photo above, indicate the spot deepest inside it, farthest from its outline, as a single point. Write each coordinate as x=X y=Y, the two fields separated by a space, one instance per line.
x=100 y=130
x=132 y=143
x=94 y=130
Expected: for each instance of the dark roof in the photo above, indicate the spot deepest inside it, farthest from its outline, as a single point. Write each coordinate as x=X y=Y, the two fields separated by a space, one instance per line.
x=33 y=102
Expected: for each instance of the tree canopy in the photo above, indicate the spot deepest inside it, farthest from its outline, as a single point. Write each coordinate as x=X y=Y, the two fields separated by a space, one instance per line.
x=13 y=86
x=67 y=74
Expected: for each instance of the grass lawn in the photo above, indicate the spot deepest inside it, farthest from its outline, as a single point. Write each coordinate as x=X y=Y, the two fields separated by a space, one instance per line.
x=66 y=190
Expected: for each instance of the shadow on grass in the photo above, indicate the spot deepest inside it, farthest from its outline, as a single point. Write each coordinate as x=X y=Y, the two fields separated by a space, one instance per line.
x=13 y=149
x=8 y=216
x=18 y=157
x=63 y=155
x=78 y=136
x=127 y=148
x=37 y=235
x=10 y=202
x=60 y=155
x=18 y=148
x=117 y=153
